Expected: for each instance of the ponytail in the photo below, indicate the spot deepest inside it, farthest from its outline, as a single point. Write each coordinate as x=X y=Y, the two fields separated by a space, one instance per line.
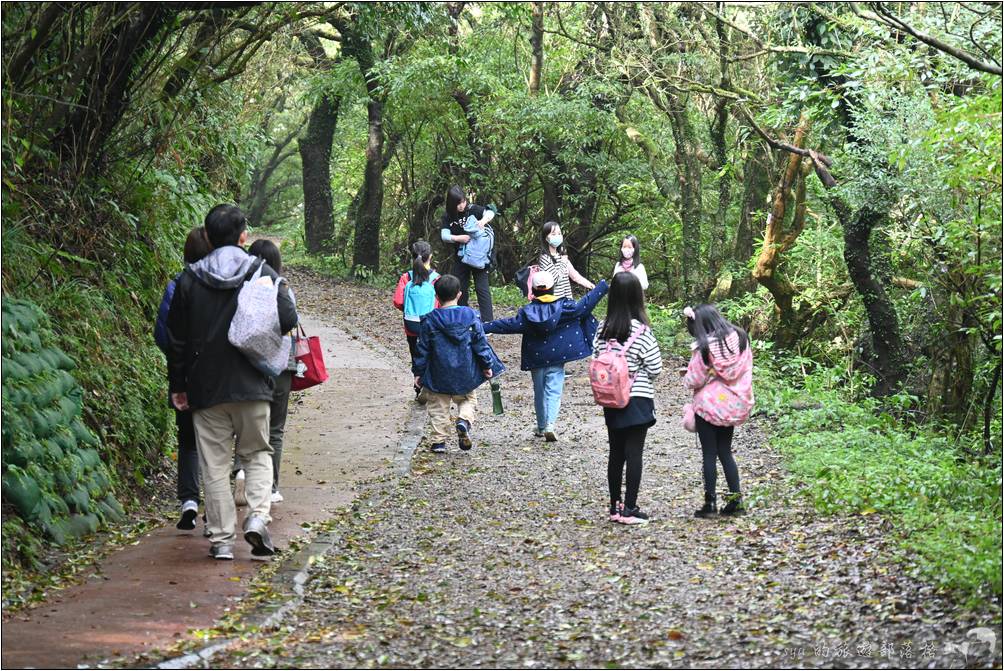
x=421 y=252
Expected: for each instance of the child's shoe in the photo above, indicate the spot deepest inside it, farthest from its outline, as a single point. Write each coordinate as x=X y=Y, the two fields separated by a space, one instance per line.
x=464 y=434
x=632 y=516
x=538 y=433
x=734 y=506
x=709 y=509
x=549 y=434
x=438 y=448
x=616 y=508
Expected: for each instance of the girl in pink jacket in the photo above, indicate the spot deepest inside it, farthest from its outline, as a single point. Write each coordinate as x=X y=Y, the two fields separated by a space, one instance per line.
x=721 y=375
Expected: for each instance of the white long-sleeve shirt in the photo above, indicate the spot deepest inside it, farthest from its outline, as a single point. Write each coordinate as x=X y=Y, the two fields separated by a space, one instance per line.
x=639 y=272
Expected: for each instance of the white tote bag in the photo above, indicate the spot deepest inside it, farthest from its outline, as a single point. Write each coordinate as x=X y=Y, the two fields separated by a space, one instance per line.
x=254 y=330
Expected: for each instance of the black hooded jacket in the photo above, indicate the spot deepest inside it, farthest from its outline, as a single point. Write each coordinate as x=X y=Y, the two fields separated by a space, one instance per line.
x=202 y=362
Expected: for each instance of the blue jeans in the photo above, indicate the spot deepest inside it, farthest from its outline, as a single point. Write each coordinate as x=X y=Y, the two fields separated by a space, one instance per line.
x=548 y=384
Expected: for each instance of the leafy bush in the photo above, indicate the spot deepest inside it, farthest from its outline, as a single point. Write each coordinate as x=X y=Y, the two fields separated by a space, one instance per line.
x=858 y=456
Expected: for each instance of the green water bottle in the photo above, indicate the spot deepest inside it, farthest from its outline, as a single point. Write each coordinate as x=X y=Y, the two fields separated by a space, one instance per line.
x=496 y=397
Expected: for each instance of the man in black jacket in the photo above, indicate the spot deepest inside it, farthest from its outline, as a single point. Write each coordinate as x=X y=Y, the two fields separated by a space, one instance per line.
x=227 y=394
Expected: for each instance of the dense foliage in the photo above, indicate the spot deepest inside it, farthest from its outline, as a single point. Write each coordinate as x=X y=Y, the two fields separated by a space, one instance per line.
x=829 y=173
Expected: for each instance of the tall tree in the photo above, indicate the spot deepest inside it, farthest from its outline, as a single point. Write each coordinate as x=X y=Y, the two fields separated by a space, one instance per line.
x=315 y=156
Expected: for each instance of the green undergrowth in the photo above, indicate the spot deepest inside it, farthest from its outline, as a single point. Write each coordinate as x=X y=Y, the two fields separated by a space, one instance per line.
x=941 y=496
x=294 y=253
x=95 y=264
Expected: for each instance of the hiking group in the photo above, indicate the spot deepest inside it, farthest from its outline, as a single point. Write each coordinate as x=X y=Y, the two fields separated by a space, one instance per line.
x=225 y=325
x=451 y=356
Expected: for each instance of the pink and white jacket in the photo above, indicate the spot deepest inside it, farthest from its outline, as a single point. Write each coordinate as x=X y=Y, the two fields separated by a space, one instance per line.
x=723 y=391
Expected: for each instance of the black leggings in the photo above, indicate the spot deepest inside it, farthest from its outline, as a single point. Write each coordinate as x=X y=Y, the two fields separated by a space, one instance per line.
x=626 y=446
x=481 y=287
x=716 y=442
x=188 y=457
x=412 y=347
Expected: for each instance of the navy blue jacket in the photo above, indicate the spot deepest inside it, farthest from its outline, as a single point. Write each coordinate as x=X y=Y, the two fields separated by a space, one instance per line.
x=554 y=333
x=453 y=352
x=160 y=335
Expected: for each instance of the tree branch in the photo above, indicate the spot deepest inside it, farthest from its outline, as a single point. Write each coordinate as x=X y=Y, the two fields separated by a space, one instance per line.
x=883 y=15
x=821 y=162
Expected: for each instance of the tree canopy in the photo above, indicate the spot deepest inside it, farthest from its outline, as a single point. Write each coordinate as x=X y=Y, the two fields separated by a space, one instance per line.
x=831 y=173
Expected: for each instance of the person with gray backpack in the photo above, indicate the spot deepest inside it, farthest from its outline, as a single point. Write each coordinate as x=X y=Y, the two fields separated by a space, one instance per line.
x=227 y=393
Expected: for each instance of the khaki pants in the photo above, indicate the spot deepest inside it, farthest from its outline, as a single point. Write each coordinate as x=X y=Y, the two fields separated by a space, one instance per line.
x=439 y=413
x=214 y=435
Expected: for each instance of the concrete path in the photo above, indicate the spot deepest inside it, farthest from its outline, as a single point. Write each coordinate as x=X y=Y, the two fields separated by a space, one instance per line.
x=149 y=594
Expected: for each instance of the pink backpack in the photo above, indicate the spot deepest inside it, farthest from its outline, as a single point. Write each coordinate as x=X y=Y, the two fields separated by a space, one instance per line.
x=608 y=374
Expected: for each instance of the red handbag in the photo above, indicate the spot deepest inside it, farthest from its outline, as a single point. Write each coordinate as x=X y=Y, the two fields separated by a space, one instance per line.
x=310 y=370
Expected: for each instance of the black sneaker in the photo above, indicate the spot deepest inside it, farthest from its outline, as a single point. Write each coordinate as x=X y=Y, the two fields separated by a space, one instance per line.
x=189 y=511
x=734 y=506
x=632 y=516
x=438 y=448
x=464 y=434
x=709 y=509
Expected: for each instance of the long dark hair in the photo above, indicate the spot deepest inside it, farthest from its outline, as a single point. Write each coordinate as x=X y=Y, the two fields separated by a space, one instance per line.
x=708 y=324
x=454 y=195
x=266 y=249
x=624 y=303
x=421 y=252
x=197 y=245
x=545 y=246
x=636 y=258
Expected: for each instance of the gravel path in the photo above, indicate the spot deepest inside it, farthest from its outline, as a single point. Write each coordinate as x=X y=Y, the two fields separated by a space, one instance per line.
x=503 y=556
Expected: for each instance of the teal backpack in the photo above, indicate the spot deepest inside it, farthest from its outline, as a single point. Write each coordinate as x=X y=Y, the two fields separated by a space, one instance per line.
x=420 y=300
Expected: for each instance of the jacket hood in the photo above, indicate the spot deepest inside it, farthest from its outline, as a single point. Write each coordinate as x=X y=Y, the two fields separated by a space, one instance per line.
x=728 y=365
x=224 y=268
x=453 y=322
x=544 y=317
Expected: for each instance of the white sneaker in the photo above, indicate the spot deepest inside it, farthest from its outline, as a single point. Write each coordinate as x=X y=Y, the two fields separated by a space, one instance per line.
x=240 y=492
x=277 y=497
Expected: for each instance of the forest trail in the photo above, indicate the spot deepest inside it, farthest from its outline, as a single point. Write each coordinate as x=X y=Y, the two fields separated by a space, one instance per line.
x=148 y=595
x=503 y=556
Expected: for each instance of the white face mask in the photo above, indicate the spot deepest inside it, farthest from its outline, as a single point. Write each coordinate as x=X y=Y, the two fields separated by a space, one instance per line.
x=555 y=241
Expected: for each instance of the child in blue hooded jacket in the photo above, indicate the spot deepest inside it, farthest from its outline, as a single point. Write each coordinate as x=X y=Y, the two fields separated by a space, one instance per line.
x=555 y=331
x=453 y=359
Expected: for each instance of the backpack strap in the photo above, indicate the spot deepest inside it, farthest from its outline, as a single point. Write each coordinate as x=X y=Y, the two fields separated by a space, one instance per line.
x=630 y=341
x=634 y=336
